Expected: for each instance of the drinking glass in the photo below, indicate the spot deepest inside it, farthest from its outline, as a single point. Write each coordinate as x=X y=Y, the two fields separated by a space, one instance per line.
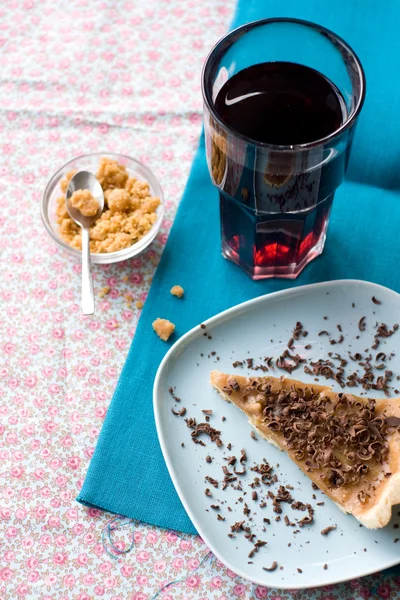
x=275 y=200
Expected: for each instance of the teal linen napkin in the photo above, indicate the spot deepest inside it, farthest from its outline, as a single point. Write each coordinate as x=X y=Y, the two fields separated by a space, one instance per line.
x=127 y=474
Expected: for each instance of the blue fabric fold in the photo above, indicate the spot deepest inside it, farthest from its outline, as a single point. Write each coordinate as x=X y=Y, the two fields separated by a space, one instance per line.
x=127 y=474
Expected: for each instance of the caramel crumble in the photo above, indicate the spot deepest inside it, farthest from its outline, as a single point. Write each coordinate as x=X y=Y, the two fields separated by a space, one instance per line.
x=129 y=210
x=163 y=328
x=177 y=291
x=83 y=201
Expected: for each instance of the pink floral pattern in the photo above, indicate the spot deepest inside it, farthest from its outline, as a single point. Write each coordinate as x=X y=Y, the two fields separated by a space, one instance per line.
x=76 y=77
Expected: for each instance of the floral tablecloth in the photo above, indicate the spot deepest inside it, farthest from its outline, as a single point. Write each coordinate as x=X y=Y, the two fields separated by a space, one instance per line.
x=79 y=76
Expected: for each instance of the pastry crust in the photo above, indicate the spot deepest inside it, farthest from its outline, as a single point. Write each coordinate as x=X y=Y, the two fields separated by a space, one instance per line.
x=369 y=497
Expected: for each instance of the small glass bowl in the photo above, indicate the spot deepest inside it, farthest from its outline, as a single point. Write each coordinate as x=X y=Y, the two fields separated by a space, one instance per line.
x=90 y=162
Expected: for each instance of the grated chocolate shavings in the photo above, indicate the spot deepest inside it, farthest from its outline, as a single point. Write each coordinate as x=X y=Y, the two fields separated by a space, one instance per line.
x=328 y=529
x=237 y=363
x=289 y=362
x=213 y=482
x=362 y=324
x=375 y=300
x=297 y=331
x=238 y=526
x=253 y=435
x=257 y=545
x=174 y=396
x=206 y=429
x=242 y=472
x=273 y=567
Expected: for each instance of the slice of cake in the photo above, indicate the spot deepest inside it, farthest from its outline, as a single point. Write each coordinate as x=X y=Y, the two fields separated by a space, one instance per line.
x=348 y=446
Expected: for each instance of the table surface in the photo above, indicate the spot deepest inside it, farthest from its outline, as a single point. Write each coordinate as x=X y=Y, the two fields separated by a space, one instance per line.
x=76 y=77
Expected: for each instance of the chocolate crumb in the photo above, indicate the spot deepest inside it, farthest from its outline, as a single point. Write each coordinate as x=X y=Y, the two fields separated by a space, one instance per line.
x=183 y=445
x=299 y=570
x=328 y=529
x=254 y=495
x=214 y=506
x=208 y=458
x=207 y=492
x=243 y=457
x=325 y=566
x=273 y=567
x=375 y=300
x=220 y=517
x=253 y=435
x=207 y=411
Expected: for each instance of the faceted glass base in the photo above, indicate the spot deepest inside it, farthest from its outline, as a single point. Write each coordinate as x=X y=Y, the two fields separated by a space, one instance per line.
x=277 y=245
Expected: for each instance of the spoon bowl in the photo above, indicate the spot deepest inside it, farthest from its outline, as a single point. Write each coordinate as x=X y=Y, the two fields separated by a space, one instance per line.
x=84 y=180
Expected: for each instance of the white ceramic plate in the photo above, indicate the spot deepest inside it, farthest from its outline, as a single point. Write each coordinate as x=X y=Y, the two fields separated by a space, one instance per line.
x=246 y=331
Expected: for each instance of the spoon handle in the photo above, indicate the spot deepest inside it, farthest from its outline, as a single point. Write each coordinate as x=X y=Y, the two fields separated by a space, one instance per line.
x=87 y=283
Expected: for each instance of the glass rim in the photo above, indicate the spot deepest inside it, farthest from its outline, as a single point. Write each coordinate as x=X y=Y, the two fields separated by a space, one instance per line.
x=285 y=147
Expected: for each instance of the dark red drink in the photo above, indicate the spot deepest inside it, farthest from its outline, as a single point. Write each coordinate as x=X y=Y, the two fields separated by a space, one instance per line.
x=275 y=204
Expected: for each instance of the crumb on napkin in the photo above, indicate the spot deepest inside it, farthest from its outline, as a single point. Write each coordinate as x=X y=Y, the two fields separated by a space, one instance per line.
x=177 y=291
x=163 y=328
